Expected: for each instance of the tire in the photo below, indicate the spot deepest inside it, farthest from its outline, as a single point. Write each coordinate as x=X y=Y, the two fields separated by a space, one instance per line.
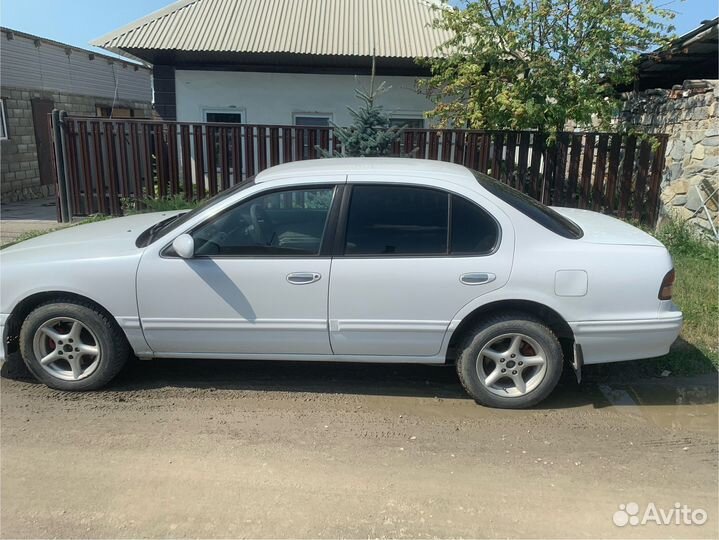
x=497 y=340
x=50 y=331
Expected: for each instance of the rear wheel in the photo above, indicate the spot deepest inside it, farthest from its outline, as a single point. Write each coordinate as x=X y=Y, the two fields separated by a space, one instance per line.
x=510 y=362
x=72 y=346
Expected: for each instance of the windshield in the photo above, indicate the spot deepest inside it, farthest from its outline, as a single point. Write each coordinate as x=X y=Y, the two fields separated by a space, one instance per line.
x=532 y=208
x=166 y=225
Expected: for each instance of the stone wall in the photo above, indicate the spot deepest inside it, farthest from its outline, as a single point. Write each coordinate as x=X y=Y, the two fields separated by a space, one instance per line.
x=689 y=115
x=19 y=166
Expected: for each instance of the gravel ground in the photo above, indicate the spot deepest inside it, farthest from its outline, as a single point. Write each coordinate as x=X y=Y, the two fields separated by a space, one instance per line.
x=247 y=449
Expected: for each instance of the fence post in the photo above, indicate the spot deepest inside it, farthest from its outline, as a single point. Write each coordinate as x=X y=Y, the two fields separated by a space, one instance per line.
x=58 y=152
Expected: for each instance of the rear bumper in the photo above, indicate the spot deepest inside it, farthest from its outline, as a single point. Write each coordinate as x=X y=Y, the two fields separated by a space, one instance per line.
x=614 y=341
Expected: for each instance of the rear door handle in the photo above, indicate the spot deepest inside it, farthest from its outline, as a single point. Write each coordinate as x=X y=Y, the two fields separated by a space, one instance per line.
x=477 y=278
x=303 y=278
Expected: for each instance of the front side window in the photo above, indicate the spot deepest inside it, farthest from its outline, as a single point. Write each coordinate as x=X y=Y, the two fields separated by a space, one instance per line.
x=223 y=117
x=397 y=220
x=285 y=223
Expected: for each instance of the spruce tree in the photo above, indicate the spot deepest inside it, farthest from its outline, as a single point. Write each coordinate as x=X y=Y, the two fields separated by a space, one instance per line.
x=371 y=132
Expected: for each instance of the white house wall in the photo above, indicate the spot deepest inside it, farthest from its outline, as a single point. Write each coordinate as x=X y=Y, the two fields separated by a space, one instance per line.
x=274 y=98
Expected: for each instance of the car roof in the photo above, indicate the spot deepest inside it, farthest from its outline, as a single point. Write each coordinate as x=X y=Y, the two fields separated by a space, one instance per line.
x=377 y=165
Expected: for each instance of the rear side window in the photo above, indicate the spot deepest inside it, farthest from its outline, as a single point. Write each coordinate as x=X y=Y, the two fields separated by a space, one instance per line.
x=397 y=220
x=532 y=208
x=473 y=231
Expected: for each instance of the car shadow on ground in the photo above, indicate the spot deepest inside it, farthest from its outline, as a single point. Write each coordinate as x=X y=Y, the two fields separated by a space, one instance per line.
x=599 y=387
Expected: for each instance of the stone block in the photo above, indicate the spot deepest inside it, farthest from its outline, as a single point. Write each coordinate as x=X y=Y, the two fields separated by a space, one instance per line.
x=698 y=152
x=711 y=141
x=693 y=201
x=679 y=200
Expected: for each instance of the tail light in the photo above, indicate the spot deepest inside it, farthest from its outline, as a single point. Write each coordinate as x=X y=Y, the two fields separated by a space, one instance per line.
x=665 y=291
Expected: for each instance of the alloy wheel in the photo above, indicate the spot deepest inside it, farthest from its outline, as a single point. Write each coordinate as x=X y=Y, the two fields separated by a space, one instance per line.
x=67 y=349
x=511 y=365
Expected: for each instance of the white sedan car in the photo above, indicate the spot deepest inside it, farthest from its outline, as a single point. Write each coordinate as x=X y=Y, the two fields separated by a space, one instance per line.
x=351 y=260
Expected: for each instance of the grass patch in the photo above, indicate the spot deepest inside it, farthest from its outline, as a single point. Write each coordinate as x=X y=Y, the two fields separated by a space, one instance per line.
x=159 y=204
x=696 y=292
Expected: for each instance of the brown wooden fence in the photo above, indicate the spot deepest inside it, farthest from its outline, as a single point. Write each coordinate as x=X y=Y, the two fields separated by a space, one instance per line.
x=101 y=162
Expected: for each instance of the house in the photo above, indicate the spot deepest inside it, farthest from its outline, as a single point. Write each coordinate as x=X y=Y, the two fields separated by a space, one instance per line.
x=282 y=61
x=677 y=92
x=39 y=75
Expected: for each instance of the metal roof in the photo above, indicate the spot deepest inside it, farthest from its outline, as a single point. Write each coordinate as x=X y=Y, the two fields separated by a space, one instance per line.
x=694 y=55
x=387 y=28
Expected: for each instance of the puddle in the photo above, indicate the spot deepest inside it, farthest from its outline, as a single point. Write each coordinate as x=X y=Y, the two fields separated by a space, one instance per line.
x=688 y=404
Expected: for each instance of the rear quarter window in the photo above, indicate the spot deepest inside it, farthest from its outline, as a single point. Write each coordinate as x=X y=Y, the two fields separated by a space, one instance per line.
x=532 y=208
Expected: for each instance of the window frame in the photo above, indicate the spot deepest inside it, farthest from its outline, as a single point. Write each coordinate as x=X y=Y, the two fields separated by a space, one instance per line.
x=296 y=115
x=409 y=116
x=4 y=135
x=343 y=217
x=326 y=242
x=224 y=110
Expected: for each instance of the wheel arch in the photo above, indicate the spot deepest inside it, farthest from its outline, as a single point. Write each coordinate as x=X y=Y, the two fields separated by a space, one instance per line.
x=25 y=306
x=546 y=314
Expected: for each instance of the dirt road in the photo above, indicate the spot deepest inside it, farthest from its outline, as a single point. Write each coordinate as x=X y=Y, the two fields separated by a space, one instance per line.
x=235 y=449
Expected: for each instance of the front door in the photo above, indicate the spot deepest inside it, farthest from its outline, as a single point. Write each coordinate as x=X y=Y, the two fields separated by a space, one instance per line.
x=413 y=256
x=258 y=283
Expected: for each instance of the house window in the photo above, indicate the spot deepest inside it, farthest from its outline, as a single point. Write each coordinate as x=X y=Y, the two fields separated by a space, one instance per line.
x=224 y=117
x=3 y=121
x=312 y=119
x=409 y=123
x=116 y=112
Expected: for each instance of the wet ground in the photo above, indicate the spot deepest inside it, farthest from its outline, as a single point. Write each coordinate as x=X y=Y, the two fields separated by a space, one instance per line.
x=182 y=448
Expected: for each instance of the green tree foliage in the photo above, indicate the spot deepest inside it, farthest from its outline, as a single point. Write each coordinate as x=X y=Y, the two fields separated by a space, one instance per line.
x=537 y=64
x=371 y=132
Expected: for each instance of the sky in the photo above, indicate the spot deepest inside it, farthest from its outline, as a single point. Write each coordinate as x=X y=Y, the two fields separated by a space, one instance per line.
x=77 y=22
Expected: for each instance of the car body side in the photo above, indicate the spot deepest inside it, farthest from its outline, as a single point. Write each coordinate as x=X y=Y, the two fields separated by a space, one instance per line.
x=603 y=294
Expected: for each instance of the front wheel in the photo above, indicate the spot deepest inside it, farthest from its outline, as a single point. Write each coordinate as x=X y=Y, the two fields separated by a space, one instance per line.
x=72 y=346
x=510 y=362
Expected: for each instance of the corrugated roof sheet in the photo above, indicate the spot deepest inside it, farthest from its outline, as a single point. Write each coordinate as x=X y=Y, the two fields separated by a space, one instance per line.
x=390 y=28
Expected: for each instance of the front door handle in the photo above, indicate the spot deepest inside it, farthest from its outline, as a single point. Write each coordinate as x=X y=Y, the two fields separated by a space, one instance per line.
x=477 y=278
x=303 y=278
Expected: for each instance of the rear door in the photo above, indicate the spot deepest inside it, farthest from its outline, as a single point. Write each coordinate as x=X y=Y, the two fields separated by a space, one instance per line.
x=408 y=257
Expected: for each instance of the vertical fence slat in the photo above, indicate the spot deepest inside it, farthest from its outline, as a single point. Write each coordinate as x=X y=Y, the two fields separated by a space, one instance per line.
x=147 y=146
x=112 y=167
x=599 y=168
x=586 y=177
x=613 y=172
x=236 y=155
x=537 y=179
x=99 y=168
x=523 y=161
x=627 y=174
x=85 y=153
x=509 y=164
x=262 y=148
x=134 y=144
x=123 y=169
x=74 y=166
x=656 y=179
x=497 y=154
x=571 y=197
x=199 y=160
x=224 y=159
x=173 y=165
x=186 y=162
x=558 y=189
x=640 y=194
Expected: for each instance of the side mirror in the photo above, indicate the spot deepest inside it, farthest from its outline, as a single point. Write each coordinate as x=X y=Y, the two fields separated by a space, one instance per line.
x=184 y=246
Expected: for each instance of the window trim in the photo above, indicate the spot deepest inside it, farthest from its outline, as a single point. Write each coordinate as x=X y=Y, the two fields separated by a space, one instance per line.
x=341 y=234
x=3 y=121
x=326 y=241
x=409 y=116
